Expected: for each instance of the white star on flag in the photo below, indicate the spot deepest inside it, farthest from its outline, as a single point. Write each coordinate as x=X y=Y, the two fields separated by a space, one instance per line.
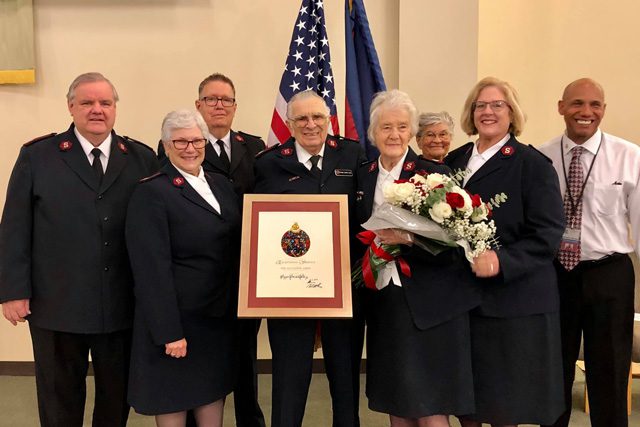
x=308 y=59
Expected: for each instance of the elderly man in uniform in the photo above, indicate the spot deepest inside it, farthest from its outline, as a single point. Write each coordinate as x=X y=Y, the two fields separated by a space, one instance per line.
x=232 y=154
x=312 y=163
x=599 y=176
x=63 y=260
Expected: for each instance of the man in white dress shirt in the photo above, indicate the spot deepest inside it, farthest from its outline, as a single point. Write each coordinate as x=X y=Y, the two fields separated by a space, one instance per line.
x=599 y=177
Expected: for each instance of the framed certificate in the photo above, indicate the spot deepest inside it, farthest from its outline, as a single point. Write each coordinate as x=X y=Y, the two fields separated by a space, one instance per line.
x=295 y=256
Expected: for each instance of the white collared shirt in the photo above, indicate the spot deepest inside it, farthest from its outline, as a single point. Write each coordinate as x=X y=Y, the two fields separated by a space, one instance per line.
x=305 y=158
x=226 y=142
x=477 y=159
x=200 y=184
x=388 y=273
x=105 y=148
x=611 y=200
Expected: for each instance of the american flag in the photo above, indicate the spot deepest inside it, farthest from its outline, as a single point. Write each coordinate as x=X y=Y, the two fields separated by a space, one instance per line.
x=308 y=67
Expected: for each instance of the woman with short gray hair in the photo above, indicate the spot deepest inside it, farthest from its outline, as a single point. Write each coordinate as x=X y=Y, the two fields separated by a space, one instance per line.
x=183 y=237
x=435 y=132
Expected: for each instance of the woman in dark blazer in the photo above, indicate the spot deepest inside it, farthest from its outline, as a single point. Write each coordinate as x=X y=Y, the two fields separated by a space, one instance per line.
x=183 y=239
x=418 y=348
x=515 y=332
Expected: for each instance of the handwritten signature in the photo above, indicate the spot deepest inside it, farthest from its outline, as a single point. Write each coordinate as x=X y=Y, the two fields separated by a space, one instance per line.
x=314 y=283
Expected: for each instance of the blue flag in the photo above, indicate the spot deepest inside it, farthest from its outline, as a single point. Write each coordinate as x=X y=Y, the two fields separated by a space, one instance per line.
x=364 y=75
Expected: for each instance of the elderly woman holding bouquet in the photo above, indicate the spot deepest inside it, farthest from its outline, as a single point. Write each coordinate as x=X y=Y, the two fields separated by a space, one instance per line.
x=418 y=343
x=183 y=235
x=515 y=332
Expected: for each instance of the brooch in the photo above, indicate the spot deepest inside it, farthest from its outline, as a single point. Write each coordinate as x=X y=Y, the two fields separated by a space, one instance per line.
x=507 y=150
x=65 y=145
x=409 y=166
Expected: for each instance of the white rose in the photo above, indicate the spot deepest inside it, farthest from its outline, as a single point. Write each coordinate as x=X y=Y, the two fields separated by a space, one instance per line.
x=480 y=213
x=397 y=193
x=389 y=193
x=403 y=191
x=435 y=179
x=440 y=211
x=419 y=179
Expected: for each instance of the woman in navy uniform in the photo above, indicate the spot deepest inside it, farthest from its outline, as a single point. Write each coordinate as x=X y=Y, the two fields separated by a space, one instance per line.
x=418 y=342
x=183 y=232
x=515 y=332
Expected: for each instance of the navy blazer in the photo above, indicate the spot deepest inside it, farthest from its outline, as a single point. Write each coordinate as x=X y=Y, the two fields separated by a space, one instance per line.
x=62 y=234
x=184 y=255
x=529 y=227
x=441 y=287
x=278 y=171
x=244 y=148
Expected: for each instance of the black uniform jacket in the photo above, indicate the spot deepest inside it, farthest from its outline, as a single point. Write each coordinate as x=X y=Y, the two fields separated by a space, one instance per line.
x=244 y=148
x=278 y=171
x=184 y=254
x=62 y=235
x=441 y=287
x=529 y=227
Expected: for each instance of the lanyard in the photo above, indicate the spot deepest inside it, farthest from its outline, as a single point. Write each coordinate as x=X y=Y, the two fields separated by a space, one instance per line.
x=575 y=202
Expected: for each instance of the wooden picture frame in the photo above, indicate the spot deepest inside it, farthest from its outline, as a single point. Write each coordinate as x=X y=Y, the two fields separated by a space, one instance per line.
x=295 y=257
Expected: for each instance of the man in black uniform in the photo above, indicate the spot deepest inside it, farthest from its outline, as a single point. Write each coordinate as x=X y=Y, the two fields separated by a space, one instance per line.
x=232 y=154
x=217 y=104
x=311 y=162
x=63 y=261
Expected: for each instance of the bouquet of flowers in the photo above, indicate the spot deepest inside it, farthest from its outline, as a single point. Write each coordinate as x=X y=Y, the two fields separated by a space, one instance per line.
x=436 y=207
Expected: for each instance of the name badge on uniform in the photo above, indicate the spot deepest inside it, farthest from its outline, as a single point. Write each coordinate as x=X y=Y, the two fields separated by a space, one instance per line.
x=343 y=172
x=570 y=240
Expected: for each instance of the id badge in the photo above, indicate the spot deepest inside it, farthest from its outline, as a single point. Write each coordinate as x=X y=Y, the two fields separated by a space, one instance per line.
x=570 y=240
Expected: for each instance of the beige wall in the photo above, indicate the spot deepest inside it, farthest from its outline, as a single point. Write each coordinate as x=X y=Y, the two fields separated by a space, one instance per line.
x=439 y=54
x=540 y=46
x=157 y=51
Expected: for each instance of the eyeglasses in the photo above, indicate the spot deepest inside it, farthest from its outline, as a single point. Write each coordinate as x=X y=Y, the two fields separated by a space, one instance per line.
x=442 y=135
x=182 y=144
x=495 y=105
x=302 y=121
x=212 y=101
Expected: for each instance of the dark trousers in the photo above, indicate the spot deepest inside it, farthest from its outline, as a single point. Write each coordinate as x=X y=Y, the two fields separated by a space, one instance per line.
x=292 y=343
x=61 y=362
x=245 y=395
x=596 y=301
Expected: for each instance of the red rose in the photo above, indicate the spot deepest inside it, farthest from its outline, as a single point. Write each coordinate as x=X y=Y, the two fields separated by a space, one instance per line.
x=476 y=201
x=401 y=181
x=455 y=200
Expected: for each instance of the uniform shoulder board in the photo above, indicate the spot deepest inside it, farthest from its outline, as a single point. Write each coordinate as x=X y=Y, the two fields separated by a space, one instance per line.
x=266 y=150
x=347 y=140
x=135 y=141
x=541 y=153
x=38 y=139
x=149 y=178
x=366 y=162
x=248 y=135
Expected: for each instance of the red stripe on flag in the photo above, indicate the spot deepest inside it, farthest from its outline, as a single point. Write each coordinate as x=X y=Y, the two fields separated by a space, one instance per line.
x=334 y=125
x=279 y=128
x=350 y=130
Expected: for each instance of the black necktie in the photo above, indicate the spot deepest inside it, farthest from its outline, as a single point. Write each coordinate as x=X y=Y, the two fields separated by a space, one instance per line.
x=226 y=164
x=315 y=170
x=97 y=164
